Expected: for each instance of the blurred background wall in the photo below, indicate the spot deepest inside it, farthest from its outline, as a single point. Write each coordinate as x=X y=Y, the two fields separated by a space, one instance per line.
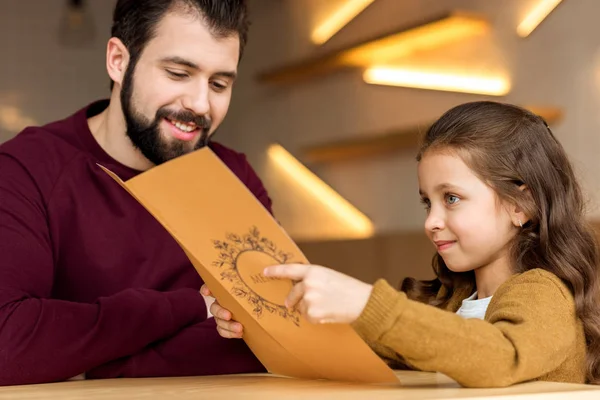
x=311 y=100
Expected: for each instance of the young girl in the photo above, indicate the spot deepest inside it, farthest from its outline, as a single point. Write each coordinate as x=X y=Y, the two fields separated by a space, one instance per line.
x=516 y=293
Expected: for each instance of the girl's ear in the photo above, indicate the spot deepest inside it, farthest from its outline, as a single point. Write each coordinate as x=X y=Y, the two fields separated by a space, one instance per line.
x=518 y=215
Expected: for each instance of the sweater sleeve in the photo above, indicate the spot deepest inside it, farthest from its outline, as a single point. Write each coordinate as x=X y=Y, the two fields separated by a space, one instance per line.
x=194 y=351
x=46 y=340
x=530 y=326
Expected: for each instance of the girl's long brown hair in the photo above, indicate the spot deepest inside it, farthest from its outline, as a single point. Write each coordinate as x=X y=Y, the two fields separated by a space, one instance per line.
x=507 y=147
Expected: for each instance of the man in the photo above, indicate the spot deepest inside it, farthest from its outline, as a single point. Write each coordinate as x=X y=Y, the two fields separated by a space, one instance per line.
x=90 y=283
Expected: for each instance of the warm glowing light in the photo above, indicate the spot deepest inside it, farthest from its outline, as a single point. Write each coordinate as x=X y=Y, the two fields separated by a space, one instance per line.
x=357 y=221
x=454 y=28
x=338 y=19
x=465 y=83
x=13 y=120
x=426 y=38
x=536 y=16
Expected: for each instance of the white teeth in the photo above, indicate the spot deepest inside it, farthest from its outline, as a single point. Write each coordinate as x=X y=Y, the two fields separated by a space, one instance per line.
x=183 y=127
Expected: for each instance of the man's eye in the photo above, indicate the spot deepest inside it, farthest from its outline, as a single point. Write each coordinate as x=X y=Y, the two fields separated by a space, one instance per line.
x=219 y=86
x=176 y=75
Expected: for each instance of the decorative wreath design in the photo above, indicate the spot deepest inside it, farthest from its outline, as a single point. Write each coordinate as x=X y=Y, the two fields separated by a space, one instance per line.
x=230 y=251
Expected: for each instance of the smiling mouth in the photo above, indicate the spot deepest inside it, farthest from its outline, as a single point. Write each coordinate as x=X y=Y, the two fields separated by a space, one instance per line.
x=442 y=245
x=183 y=132
x=183 y=126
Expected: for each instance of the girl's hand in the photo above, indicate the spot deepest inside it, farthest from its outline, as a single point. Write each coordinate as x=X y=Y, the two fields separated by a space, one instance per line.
x=321 y=294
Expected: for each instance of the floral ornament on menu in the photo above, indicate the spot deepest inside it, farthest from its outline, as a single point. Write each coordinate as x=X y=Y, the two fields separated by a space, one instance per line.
x=242 y=259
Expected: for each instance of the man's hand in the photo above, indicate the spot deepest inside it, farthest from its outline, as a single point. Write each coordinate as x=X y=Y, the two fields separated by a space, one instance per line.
x=226 y=327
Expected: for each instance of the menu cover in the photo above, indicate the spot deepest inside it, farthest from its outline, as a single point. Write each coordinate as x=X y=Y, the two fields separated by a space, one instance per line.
x=230 y=238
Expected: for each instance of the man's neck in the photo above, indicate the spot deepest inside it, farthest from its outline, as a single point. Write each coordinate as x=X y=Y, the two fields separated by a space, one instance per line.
x=108 y=128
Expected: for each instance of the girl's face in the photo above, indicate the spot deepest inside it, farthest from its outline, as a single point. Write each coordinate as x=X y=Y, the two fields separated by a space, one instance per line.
x=468 y=224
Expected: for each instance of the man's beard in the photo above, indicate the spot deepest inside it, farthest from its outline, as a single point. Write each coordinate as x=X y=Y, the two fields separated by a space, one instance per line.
x=145 y=135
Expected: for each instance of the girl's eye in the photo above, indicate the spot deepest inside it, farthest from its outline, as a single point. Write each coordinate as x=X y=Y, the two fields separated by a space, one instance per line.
x=452 y=199
x=426 y=203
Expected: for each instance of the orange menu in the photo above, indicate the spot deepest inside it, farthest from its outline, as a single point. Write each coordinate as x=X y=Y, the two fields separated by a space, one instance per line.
x=230 y=238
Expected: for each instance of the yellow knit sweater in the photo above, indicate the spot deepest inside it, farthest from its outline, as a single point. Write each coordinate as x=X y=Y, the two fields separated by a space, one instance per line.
x=530 y=332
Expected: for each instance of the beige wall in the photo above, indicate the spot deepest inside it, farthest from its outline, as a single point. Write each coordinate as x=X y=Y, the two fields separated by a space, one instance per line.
x=557 y=65
x=43 y=80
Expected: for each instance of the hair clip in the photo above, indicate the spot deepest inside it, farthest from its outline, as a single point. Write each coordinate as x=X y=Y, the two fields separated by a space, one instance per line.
x=546 y=125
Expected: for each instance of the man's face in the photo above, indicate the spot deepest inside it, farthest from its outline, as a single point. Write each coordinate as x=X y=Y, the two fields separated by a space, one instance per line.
x=177 y=93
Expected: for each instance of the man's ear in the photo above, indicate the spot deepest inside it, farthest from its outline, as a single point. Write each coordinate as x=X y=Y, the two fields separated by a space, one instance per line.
x=117 y=59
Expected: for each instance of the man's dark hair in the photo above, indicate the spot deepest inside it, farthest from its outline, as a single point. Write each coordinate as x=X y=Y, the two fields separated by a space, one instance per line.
x=135 y=21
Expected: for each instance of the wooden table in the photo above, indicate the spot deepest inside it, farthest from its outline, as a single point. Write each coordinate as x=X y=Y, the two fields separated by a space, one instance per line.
x=415 y=385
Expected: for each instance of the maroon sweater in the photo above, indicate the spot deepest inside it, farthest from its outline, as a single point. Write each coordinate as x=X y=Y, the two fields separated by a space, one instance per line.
x=89 y=280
